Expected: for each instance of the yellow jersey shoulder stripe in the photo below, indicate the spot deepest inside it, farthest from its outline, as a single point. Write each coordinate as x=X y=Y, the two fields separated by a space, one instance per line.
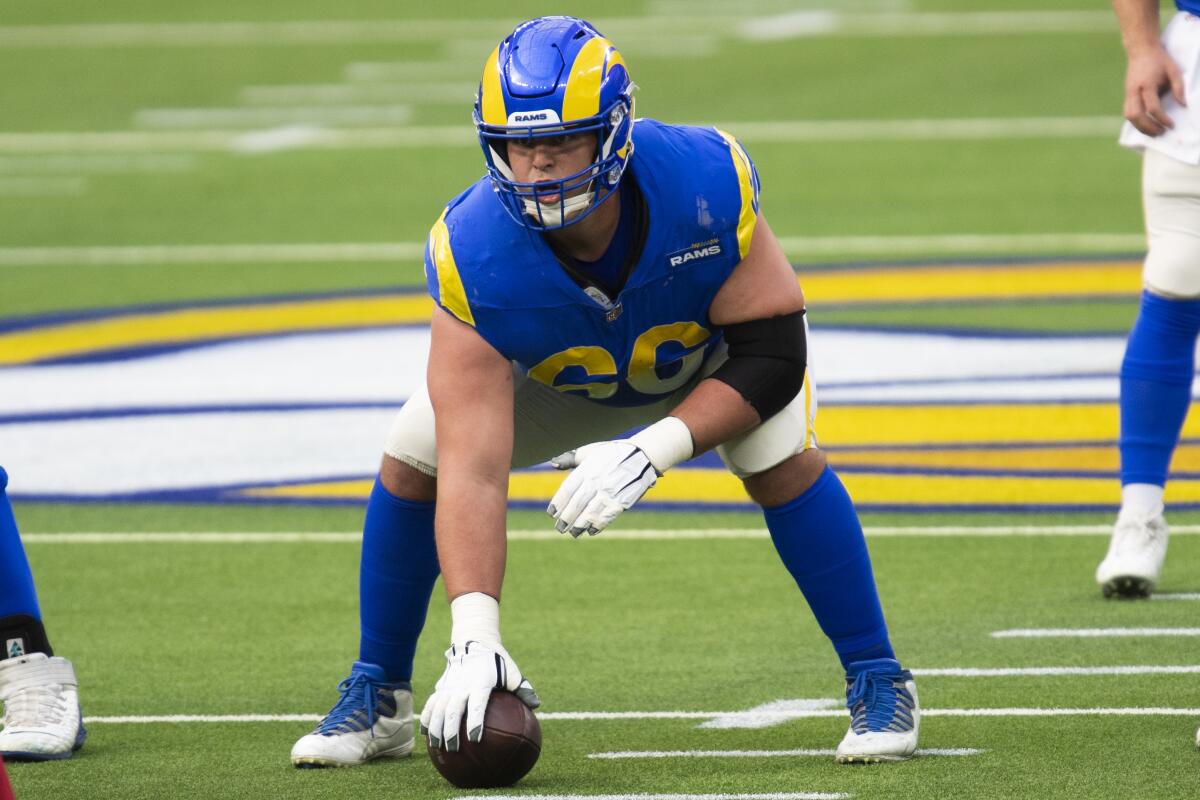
x=749 y=213
x=453 y=297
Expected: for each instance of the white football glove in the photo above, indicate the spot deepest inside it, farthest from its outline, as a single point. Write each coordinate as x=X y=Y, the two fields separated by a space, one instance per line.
x=472 y=671
x=608 y=478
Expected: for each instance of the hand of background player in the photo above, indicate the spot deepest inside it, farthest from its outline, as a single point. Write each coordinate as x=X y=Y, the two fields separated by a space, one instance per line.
x=1151 y=73
x=472 y=671
x=608 y=478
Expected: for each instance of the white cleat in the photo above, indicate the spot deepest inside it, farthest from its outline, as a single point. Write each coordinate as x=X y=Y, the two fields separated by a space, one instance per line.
x=373 y=719
x=884 y=714
x=1135 y=556
x=42 y=721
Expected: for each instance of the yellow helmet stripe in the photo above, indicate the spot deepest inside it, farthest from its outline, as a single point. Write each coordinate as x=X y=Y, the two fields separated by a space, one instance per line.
x=450 y=286
x=749 y=213
x=582 y=97
x=491 y=103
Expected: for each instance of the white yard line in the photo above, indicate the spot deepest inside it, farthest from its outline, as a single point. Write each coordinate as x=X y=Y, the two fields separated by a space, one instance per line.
x=209 y=254
x=96 y=163
x=604 y=716
x=964 y=243
x=360 y=94
x=869 y=130
x=41 y=186
x=394 y=251
x=720 y=796
x=1177 y=596
x=644 y=534
x=386 y=71
x=271 y=116
x=463 y=136
x=1049 y=633
x=986 y=23
x=802 y=752
x=1004 y=672
x=335 y=32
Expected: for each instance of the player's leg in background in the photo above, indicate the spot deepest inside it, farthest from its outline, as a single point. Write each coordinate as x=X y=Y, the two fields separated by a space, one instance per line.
x=816 y=531
x=397 y=571
x=1156 y=374
x=38 y=689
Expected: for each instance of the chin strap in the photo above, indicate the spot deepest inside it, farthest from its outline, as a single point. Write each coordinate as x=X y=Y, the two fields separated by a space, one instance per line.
x=555 y=214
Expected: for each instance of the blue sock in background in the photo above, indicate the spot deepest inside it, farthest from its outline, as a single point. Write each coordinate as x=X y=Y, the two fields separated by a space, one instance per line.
x=396 y=576
x=821 y=542
x=1156 y=386
x=17 y=595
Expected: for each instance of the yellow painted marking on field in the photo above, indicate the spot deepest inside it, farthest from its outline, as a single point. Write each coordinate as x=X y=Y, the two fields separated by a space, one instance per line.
x=972 y=282
x=905 y=425
x=891 y=284
x=1066 y=458
x=951 y=424
x=211 y=323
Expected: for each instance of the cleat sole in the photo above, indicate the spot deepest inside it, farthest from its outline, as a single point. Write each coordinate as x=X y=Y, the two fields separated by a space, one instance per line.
x=864 y=760
x=1128 y=587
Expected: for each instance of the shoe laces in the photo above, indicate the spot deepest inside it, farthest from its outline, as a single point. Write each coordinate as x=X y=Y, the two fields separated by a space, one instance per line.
x=36 y=707
x=356 y=710
x=879 y=702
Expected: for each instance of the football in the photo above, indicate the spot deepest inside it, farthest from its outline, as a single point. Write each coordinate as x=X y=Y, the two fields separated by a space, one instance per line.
x=511 y=744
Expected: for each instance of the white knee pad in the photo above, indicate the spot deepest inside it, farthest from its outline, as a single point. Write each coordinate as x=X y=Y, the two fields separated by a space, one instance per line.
x=782 y=436
x=1171 y=196
x=412 y=439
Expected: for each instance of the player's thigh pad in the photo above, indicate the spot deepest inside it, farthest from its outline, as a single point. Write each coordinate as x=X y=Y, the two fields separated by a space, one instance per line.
x=775 y=440
x=1171 y=195
x=546 y=423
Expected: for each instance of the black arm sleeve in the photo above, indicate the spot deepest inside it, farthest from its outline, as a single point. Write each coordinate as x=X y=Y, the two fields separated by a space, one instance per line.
x=766 y=361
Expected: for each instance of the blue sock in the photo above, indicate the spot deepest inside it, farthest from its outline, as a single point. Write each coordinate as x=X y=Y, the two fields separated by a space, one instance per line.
x=821 y=542
x=17 y=595
x=21 y=629
x=396 y=576
x=1156 y=386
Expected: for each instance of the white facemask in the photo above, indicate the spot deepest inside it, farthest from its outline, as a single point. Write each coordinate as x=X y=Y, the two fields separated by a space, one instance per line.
x=554 y=214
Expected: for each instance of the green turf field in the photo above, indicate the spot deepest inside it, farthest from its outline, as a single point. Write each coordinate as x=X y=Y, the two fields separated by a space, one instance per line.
x=904 y=143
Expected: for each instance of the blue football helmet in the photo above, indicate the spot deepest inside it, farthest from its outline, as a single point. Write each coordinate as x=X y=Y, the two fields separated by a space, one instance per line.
x=553 y=76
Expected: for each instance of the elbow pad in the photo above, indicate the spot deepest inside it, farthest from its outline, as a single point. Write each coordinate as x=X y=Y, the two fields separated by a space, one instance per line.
x=766 y=362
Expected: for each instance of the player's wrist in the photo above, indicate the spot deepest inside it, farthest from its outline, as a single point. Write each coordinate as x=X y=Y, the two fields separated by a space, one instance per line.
x=475 y=617
x=666 y=443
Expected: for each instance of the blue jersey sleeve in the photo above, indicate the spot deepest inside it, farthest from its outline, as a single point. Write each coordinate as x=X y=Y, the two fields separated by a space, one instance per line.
x=441 y=274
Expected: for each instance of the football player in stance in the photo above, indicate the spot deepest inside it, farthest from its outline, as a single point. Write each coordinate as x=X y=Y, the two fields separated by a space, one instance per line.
x=1156 y=374
x=38 y=689
x=605 y=274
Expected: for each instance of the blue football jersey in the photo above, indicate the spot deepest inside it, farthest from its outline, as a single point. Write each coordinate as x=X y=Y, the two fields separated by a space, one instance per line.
x=701 y=197
x=1191 y=6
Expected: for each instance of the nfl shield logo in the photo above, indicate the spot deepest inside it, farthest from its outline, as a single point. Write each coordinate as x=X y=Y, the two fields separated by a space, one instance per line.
x=14 y=648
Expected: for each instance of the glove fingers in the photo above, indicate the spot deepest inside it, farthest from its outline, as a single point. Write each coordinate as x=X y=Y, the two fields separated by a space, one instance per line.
x=527 y=695
x=437 y=722
x=574 y=506
x=427 y=714
x=565 y=490
x=567 y=460
x=455 y=705
x=476 y=709
x=606 y=516
x=587 y=520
